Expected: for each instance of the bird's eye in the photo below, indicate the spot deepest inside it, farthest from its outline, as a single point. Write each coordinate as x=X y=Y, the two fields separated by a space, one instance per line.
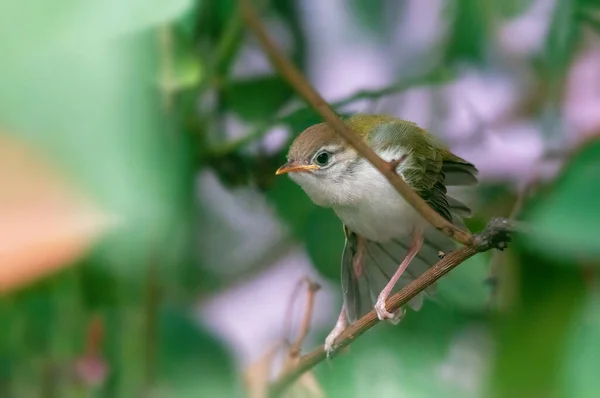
x=322 y=158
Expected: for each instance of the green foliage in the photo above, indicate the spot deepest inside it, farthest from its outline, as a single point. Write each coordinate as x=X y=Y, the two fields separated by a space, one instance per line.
x=241 y=97
x=582 y=352
x=565 y=221
x=128 y=98
x=192 y=360
x=532 y=337
x=560 y=45
x=411 y=360
x=465 y=288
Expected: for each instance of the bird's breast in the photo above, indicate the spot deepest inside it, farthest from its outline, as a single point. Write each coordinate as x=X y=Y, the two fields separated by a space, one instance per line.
x=382 y=217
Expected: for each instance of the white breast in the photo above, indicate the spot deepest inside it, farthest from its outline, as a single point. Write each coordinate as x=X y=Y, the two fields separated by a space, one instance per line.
x=378 y=213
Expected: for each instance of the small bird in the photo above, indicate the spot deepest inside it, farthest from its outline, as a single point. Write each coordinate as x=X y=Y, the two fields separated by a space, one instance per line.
x=388 y=244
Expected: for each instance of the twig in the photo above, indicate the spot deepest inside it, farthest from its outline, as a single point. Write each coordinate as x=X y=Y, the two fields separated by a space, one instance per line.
x=495 y=235
x=433 y=77
x=296 y=80
x=289 y=313
x=296 y=346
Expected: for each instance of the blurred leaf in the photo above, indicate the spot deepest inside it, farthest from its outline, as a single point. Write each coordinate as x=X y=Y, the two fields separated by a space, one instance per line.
x=533 y=333
x=291 y=14
x=191 y=360
x=73 y=22
x=469 y=31
x=464 y=288
x=182 y=67
x=46 y=223
x=560 y=46
x=291 y=204
x=324 y=239
x=301 y=119
x=371 y=16
x=566 y=222
x=93 y=112
x=509 y=8
x=431 y=353
x=257 y=98
x=583 y=351
x=318 y=228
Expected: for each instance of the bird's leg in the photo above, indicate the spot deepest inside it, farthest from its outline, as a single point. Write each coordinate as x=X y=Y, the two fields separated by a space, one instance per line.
x=358 y=262
x=339 y=327
x=415 y=246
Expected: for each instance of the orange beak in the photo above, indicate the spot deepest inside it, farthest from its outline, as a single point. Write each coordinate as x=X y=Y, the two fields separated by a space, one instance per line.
x=291 y=167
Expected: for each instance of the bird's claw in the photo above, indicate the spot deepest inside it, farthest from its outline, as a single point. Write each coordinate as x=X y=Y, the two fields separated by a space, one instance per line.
x=330 y=346
x=382 y=312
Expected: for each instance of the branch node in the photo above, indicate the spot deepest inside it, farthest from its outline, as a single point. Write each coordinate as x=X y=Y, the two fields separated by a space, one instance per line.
x=496 y=235
x=394 y=163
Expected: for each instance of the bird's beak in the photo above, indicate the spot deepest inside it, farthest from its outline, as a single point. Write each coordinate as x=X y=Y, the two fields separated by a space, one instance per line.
x=292 y=167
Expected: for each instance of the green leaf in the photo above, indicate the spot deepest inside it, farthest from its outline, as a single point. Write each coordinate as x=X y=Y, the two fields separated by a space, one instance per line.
x=560 y=45
x=291 y=204
x=257 y=98
x=319 y=228
x=469 y=31
x=73 y=22
x=411 y=359
x=372 y=16
x=94 y=112
x=582 y=353
x=533 y=332
x=464 y=288
x=192 y=362
x=324 y=238
x=566 y=221
x=509 y=8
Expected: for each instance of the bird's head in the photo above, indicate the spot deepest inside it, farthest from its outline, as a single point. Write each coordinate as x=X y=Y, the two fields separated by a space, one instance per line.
x=322 y=163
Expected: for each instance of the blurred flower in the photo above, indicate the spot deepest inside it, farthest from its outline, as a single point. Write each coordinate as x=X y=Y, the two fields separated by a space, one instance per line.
x=46 y=223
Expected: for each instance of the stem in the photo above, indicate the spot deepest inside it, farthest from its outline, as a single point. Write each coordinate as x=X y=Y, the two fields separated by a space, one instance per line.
x=310 y=95
x=495 y=235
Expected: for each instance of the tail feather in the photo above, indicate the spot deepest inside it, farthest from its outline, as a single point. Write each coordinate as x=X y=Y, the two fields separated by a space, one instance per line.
x=458 y=208
x=459 y=173
x=380 y=263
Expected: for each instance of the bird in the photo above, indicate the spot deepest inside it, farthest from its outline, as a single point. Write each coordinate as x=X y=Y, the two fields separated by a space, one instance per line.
x=387 y=242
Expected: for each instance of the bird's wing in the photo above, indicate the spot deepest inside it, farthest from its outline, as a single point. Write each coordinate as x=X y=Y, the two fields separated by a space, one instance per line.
x=381 y=261
x=431 y=166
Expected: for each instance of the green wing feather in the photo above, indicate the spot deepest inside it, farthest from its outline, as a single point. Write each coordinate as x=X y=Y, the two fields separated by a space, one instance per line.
x=431 y=166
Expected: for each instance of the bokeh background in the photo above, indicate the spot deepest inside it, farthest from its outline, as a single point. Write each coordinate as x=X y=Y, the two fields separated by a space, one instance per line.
x=147 y=249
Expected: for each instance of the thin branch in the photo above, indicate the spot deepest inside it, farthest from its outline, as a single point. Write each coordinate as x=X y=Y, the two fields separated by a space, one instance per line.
x=296 y=346
x=433 y=77
x=495 y=235
x=310 y=95
x=289 y=314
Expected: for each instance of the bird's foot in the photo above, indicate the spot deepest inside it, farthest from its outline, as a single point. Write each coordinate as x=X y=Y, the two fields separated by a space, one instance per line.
x=382 y=312
x=398 y=315
x=330 y=346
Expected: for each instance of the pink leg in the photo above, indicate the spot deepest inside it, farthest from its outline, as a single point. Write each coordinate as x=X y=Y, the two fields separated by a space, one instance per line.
x=340 y=325
x=358 y=261
x=415 y=246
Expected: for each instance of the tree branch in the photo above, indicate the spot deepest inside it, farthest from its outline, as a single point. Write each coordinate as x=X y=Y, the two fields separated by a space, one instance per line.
x=433 y=77
x=495 y=235
x=310 y=95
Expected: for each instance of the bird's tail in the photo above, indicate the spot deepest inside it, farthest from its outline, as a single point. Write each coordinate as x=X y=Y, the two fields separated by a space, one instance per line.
x=381 y=262
x=382 y=259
